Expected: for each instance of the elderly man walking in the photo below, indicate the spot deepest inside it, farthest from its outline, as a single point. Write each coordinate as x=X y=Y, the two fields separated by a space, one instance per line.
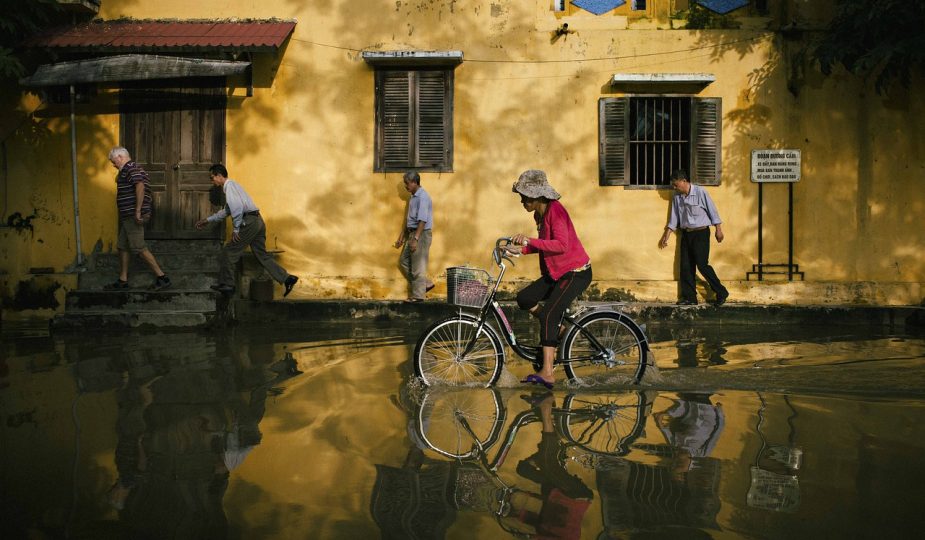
x=134 y=203
x=416 y=237
x=248 y=230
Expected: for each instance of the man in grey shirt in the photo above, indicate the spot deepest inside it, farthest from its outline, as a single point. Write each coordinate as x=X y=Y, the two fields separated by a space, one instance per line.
x=248 y=230
x=693 y=212
x=416 y=237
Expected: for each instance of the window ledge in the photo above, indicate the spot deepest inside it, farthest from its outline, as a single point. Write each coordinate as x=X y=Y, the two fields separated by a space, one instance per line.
x=412 y=58
x=655 y=79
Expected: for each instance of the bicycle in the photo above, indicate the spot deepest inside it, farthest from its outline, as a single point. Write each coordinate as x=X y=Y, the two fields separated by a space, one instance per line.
x=462 y=423
x=465 y=349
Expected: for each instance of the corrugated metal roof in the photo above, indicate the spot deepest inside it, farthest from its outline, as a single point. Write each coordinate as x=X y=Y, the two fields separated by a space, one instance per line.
x=134 y=35
x=130 y=67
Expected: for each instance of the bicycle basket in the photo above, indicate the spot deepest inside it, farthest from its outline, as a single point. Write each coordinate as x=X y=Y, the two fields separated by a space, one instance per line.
x=467 y=287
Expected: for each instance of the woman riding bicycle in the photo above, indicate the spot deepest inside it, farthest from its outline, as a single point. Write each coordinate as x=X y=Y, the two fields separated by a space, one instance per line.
x=564 y=264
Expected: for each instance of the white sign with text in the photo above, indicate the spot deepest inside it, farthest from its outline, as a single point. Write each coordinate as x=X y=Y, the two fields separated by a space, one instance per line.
x=776 y=165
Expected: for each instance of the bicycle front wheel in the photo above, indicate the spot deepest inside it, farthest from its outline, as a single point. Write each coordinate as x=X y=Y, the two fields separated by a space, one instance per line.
x=603 y=348
x=459 y=352
x=455 y=422
x=604 y=424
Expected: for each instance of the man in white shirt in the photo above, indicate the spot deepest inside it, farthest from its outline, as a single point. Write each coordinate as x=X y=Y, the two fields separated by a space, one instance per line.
x=692 y=215
x=248 y=230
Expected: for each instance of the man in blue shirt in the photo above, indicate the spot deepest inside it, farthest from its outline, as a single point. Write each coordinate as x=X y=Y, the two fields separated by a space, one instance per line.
x=416 y=237
x=693 y=212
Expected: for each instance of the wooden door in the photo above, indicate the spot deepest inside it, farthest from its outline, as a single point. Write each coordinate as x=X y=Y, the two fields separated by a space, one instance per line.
x=175 y=133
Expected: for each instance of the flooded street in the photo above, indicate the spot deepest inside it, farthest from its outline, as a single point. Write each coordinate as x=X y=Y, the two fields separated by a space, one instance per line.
x=318 y=432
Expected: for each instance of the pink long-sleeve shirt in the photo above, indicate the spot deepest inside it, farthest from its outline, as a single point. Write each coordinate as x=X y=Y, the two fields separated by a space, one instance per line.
x=558 y=245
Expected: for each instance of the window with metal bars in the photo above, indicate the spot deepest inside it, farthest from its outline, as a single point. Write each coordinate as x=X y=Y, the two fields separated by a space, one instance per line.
x=644 y=138
x=414 y=120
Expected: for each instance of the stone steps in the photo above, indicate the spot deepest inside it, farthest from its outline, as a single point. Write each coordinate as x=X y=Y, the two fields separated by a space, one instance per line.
x=121 y=320
x=192 y=266
x=152 y=301
x=142 y=281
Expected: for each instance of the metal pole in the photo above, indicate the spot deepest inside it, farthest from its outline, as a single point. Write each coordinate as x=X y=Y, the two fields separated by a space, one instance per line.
x=74 y=177
x=760 y=212
x=790 y=241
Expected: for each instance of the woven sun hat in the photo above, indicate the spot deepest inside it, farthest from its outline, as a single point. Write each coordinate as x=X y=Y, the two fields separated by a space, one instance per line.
x=533 y=184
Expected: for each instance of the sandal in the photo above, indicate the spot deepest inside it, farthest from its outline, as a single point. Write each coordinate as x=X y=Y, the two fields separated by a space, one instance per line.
x=536 y=379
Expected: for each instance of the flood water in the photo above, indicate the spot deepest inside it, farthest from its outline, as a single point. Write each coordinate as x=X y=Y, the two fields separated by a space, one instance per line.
x=319 y=432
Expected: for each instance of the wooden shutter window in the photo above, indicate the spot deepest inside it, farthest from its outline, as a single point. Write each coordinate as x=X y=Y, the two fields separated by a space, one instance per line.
x=707 y=128
x=433 y=114
x=613 y=153
x=414 y=120
x=394 y=121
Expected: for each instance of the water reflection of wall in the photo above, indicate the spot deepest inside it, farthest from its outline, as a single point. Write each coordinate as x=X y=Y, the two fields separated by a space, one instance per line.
x=188 y=415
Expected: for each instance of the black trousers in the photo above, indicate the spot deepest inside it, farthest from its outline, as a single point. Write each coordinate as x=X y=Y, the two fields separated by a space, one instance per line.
x=695 y=253
x=558 y=295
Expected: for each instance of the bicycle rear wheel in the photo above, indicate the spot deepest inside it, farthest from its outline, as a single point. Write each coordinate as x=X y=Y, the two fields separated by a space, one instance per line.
x=615 y=354
x=441 y=355
x=454 y=422
x=605 y=424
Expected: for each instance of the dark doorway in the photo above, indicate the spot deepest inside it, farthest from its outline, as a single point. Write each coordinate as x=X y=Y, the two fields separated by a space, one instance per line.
x=175 y=131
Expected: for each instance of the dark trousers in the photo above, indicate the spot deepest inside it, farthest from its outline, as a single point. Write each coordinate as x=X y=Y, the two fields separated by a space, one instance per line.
x=558 y=295
x=253 y=233
x=695 y=253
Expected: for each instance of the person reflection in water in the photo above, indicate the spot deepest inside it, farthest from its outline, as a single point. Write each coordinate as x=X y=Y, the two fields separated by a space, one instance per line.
x=679 y=496
x=563 y=498
x=692 y=426
x=180 y=435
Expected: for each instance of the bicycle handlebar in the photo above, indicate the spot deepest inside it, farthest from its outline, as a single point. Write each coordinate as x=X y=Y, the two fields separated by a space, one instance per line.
x=500 y=252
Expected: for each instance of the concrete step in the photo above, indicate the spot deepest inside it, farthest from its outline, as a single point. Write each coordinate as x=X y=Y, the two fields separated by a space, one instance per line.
x=101 y=319
x=170 y=300
x=183 y=246
x=170 y=262
x=141 y=281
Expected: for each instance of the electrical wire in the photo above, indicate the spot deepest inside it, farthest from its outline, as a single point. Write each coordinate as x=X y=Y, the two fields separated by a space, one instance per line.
x=565 y=61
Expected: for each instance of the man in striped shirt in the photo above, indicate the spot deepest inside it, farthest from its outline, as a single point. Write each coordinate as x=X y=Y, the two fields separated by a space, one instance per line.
x=133 y=200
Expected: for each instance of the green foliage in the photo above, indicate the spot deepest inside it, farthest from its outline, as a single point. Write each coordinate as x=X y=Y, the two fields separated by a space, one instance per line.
x=700 y=18
x=20 y=19
x=884 y=41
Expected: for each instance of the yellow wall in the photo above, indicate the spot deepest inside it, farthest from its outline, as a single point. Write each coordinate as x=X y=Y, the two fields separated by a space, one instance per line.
x=303 y=148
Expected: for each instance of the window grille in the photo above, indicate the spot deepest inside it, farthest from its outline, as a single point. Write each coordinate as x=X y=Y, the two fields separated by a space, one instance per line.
x=659 y=140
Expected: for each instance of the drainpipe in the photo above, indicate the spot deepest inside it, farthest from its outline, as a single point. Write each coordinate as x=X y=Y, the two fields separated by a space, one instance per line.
x=74 y=178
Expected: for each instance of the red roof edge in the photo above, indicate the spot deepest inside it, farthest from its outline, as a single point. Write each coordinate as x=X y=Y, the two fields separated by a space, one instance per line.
x=134 y=34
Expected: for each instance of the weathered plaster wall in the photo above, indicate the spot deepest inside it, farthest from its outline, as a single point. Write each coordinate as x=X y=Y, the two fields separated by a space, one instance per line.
x=303 y=148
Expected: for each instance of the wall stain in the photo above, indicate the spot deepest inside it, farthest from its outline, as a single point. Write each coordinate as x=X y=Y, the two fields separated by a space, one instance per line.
x=37 y=293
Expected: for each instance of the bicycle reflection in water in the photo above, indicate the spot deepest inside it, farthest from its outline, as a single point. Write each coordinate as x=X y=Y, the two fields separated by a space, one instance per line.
x=421 y=499
x=592 y=446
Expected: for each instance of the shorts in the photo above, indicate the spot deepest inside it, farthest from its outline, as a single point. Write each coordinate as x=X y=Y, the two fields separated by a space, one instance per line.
x=131 y=236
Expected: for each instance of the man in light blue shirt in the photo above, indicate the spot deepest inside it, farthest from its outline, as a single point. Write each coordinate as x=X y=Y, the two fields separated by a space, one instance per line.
x=692 y=214
x=248 y=229
x=416 y=237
